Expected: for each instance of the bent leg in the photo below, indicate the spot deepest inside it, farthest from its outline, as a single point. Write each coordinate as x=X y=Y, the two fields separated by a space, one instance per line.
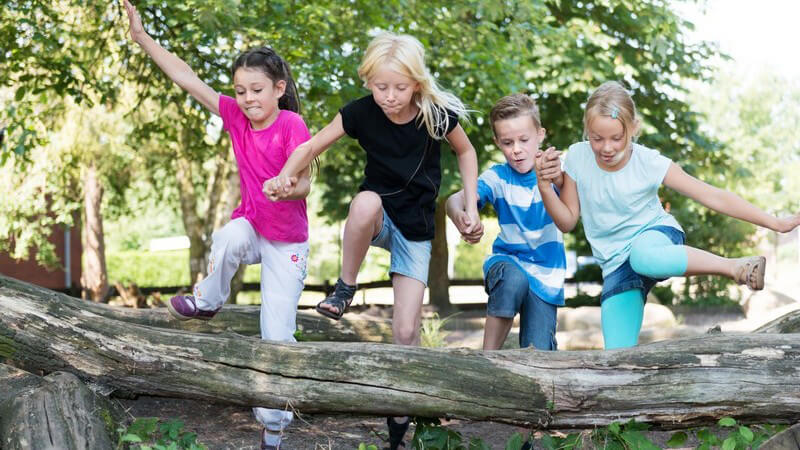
x=537 y=323
x=507 y=287
x=364 y=221
x=654 y=255
x=283 y=269
x=234 y=244
x=621 y=317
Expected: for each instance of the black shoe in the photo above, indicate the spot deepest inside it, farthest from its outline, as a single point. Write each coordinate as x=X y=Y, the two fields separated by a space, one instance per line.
x=341 y=298
x=396 y=432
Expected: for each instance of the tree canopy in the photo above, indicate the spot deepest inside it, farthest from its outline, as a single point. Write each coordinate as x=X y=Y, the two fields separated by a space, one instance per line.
x=556 y=51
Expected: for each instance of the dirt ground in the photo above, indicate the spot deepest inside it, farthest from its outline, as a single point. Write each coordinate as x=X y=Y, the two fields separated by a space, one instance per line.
x=233 y=427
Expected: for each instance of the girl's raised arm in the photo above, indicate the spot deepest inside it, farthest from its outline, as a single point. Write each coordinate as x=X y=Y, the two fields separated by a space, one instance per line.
x=174 y=67
x=725 y=202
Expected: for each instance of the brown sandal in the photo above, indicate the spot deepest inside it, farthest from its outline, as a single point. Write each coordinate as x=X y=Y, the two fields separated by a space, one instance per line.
x=751 y=272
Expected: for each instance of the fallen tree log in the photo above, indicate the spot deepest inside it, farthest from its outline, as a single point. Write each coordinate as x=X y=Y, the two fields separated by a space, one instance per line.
x=788 y=323
x=752 y=377
x=245 y=320
x=53 y=412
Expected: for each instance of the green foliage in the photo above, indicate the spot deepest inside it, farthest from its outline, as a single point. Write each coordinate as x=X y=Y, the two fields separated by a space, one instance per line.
x=432 y=334
x=581 y=299
x=430 y=435
x=152 y=434
x=590 y=272
x=568 y=442
x=739 y=437
x=623 y=436
x=167 y=268
x=664 y=294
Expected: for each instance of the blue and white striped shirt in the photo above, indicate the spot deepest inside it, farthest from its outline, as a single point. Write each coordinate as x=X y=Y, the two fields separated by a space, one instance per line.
x=528 y=237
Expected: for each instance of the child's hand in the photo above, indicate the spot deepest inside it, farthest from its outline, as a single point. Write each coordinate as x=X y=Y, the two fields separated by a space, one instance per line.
x=787 y=224
x=473 y=228
x=470 y=232
x=548 y=165
x=136 y=28
x=280 y=187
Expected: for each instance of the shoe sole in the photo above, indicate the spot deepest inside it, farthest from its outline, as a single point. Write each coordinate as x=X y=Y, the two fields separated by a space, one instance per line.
x=329 y=314
x=761 y=268
x=176 y=314
x=180 y=316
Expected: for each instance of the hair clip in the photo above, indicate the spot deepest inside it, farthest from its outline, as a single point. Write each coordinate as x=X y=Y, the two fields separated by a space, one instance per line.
x=614 y=112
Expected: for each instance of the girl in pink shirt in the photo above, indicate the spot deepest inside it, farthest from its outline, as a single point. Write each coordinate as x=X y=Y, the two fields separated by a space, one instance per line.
x=265 y=128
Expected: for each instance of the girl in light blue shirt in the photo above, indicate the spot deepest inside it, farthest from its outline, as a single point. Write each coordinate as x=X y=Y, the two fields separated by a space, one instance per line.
x=612 y=184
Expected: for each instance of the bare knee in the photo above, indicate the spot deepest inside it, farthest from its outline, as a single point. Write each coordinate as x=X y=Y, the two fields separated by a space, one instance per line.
x=365 y=208
x=406 y=334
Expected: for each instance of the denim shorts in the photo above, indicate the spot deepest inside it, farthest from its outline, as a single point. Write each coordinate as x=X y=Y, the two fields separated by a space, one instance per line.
x=624 y=278
x=408 y=258
x=509 y=294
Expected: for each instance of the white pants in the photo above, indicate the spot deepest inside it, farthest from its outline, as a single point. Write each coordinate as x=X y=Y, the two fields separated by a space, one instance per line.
x=283 y=269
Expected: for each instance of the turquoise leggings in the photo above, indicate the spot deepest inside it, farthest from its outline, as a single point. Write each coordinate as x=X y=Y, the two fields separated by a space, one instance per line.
x=653 y=255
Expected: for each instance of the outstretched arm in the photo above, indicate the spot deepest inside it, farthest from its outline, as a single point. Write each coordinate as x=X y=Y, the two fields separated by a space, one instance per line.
x=175 y=68
x=725 y=202
x=281 y=186
x=468 y=166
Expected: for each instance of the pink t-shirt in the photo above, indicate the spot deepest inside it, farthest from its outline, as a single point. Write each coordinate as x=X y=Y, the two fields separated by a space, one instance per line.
x=261 y=155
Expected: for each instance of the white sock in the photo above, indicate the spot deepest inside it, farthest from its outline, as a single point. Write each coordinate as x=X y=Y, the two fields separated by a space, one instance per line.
x=272 y=438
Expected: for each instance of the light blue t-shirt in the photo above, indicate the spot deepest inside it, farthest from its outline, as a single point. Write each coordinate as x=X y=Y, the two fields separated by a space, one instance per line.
x=618 y=206
x=528 y=237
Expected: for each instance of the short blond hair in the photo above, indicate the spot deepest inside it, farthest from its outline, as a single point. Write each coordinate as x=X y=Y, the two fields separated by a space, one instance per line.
x=611 y=99
x=512 y=106
x=405 y=54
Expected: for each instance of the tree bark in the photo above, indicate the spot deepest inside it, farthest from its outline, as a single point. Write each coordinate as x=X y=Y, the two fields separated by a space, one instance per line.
x=193 y=223
x=785 y=440
x=95 y=275
x=54 y=412
x=438 y=279
x=789 y=323
x=244 y=320
x=751 y=377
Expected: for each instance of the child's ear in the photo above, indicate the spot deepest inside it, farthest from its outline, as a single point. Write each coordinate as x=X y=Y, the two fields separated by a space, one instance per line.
x=280 y=87
x=636 y=124
x=542 y=133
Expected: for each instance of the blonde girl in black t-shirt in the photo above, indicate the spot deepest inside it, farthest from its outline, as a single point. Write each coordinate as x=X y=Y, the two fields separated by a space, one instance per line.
x=400 y=127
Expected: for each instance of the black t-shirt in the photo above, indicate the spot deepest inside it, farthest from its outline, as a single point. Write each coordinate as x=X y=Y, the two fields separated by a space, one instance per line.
x=402 y=165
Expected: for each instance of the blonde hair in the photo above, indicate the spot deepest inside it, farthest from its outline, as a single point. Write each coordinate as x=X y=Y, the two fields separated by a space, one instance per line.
x=512 y=106
x=406 y=55
x=611 y=99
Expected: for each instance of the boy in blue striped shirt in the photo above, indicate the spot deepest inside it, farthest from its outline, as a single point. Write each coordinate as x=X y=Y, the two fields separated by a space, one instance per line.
x=525 y=272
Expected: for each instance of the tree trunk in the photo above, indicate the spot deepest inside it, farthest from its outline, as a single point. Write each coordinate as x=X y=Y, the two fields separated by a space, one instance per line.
x=789 y=323
x=751 y=377
x=227 y=202
x=438 y=280
x=785 y=440
x=54 y=412
x=95 y=275
x=193 y=223
x=244 y=320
